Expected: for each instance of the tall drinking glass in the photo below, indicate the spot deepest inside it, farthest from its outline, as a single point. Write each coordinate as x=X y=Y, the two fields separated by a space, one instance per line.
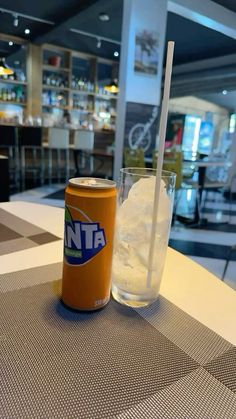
x=133 y=234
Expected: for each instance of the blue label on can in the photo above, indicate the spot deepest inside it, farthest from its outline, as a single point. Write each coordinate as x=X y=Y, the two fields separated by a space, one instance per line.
x=82 y=240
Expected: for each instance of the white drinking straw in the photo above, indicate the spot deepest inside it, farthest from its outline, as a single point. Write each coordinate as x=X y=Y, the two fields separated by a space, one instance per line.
x=162 y=136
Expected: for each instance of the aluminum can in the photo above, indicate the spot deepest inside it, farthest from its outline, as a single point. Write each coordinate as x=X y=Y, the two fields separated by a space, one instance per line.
x=90 y=206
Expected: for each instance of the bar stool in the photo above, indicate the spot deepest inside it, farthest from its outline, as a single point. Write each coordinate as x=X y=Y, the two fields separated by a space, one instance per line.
x=9 y=148
x=58 y=142
x=32 y=154
x=83 y=146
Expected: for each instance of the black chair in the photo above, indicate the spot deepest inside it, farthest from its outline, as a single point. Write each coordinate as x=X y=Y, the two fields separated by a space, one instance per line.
x=5 y=181
x=32 y=155
x=9 y=148
x=97 y=158
x=84 y=152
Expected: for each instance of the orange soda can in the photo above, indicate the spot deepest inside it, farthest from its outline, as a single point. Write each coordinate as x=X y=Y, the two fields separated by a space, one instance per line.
x=90 y=206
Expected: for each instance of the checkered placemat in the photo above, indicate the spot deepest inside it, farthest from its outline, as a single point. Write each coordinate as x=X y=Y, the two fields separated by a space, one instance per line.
x=156 y=362
x=17 y=234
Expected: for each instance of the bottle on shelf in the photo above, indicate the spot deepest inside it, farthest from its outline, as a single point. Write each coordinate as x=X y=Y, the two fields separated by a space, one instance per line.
x=92 y=87
x=23 y=96
x=48 y=80
x=12 y=94
x=4 y=94
x=19 y=95
x=90 y=106
x=45 y=99
x=73 y=82
x=53 y=80
x=9 y=94
x=54 y=98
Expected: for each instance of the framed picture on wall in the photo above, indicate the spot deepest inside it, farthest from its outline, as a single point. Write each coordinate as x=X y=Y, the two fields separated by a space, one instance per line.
x=146 y=52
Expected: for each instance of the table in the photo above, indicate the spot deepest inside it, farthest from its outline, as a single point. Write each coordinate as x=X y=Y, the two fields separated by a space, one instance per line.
x=175 y=359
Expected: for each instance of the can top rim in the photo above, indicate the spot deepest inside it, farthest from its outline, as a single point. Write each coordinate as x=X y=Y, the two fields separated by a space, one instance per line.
x=95 y=183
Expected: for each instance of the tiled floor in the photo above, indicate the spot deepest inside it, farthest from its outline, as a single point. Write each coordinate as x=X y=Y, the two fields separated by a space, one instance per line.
x=215 y=266
x=210 y=246
x=37 y=195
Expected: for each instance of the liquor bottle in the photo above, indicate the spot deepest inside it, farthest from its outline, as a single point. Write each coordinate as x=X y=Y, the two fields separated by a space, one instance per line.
x=22 y=77
x=81 y=84
x=48 y=80
x=53 y=80
x=50 y=98
x=4 y=94
x=13 y=95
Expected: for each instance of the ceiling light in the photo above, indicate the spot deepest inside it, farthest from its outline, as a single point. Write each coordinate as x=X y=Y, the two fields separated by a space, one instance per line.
x=4 y=69
x=116 y=54
x=27 y=31
x=99 y=43
x=224 y=92
x=15 y=20
x=10 y=43
x=104 y=17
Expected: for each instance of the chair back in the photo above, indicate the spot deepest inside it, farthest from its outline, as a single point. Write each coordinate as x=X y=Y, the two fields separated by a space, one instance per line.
x=84 y=140
x=134 y=158
x=30 y=136
x=173 y=163
x=58 y=138
x=8 y=135
x=222 y=175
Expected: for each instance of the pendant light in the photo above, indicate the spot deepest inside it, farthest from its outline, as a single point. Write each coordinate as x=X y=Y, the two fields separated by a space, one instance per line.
x=112 y=87
x=4 y=69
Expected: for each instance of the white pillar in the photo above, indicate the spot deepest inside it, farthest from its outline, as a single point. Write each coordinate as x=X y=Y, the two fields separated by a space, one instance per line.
x=144 y=23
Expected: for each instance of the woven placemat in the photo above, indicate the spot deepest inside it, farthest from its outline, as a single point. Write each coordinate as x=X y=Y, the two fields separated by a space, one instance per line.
x=151 y=363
